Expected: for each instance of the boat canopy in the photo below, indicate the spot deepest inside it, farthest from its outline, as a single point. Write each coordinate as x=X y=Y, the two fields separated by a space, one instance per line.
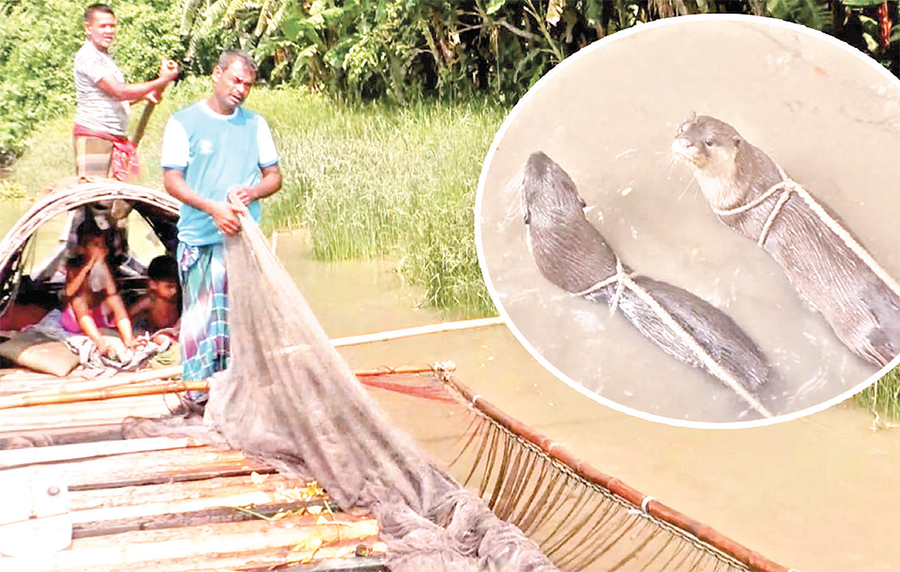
x=104 y=198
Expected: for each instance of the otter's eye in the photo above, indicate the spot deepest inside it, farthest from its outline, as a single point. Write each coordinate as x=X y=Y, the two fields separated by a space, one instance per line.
x=710 y=141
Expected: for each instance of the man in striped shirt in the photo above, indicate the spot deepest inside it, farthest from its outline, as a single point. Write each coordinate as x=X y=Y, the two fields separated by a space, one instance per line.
x=102 y=97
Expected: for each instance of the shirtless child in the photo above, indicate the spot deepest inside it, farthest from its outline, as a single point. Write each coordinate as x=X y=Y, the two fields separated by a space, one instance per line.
x=92 y=300
x=159 y=310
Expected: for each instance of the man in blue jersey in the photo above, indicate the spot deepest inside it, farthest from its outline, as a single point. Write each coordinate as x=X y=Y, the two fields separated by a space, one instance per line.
x=212 y=150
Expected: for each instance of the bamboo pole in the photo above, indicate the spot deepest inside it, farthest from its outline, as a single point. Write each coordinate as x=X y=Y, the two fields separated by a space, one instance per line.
x=224 y=545
x=144 y=389
x=142 y=123
x=632 y=496
x=174 y=371
x=276 y=487
x=416 y=331
x=21 y=457
x=102 y=394
x=154 y=467
x=192 y=508
x=117 y=380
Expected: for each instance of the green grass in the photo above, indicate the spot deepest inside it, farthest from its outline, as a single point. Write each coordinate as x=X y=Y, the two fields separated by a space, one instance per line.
x=883 y=398
x=365 y=180
x=371 y=180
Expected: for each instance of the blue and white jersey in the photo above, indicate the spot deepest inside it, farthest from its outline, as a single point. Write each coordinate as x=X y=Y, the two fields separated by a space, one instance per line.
x=216 y=153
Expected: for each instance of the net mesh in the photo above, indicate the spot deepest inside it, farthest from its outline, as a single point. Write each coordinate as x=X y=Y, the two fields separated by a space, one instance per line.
x=577 y=522
x=289 y=398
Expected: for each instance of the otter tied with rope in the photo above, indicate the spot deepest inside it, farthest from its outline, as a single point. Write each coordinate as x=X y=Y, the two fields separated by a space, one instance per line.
x=573 y=255
x=826 y=264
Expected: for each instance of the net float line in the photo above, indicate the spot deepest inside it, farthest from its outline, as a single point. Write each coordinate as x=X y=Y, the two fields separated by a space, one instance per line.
x=645 y=503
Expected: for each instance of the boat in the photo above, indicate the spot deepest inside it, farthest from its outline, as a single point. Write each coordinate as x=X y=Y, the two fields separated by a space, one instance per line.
x=83 y=496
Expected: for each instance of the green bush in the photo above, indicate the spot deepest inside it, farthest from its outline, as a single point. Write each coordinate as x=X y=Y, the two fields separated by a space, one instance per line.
x=37 y=44
x=38 y=41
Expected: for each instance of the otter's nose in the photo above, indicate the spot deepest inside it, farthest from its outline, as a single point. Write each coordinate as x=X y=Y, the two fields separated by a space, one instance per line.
x=682 y=145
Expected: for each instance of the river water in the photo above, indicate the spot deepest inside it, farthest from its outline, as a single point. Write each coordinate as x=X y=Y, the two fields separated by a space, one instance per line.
x=819 y=493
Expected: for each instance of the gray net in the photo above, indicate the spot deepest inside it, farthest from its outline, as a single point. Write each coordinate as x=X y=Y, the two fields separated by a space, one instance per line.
x=579 y=523
x=289 y=398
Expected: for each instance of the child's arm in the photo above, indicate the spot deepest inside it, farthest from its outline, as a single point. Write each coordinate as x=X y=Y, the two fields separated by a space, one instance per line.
x=120 y=315
x=115 y=303
x=87 y=323
x=139 y=308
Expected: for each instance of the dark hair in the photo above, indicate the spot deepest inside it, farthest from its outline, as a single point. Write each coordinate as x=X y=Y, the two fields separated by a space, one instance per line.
x=229 y=56
x=163 y=268
x=88 y=230
x=93 y=9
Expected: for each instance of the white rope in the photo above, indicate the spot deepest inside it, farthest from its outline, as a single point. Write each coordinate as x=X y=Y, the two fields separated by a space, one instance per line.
x=623 y=280
x=789 y=186
x=617 y=278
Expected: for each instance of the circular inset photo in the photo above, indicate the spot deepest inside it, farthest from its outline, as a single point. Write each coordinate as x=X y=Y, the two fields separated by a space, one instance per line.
x=694 y=221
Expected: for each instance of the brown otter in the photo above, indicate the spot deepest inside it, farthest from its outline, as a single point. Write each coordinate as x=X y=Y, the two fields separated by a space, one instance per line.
x=826 y=265
x=573 y=255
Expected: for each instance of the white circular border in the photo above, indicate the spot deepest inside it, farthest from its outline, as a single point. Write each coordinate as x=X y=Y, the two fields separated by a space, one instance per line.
x=496 y=298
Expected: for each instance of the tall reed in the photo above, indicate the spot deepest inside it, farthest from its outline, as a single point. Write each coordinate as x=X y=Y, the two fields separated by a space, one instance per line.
x=365 y=180
x=883 y=398
x=374 y=179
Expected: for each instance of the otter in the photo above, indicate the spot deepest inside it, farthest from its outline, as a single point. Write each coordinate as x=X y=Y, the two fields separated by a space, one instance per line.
x=572 y=254
x=825 y=263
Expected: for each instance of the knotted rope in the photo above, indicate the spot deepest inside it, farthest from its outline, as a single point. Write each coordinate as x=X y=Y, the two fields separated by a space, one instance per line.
x=788 y=186
x=623 y=281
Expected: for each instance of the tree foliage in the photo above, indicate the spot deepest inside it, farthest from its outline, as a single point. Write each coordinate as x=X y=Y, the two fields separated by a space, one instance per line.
x=38 y=41
x=366 y=49
x=408 y=48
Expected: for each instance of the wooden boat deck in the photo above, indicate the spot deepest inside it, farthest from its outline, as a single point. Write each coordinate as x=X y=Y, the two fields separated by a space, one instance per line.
x=162 y=504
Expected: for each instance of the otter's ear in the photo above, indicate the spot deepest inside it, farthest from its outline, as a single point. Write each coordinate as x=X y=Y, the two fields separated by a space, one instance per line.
x=583 y=204
x=738 y=141
x=527 y=216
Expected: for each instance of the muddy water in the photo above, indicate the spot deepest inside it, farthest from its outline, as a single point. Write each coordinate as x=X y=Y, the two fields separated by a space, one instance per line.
x=799 y=98
x=819 y=493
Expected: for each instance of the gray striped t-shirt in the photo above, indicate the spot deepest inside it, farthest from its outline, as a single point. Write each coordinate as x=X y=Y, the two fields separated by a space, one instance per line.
x=94 y=109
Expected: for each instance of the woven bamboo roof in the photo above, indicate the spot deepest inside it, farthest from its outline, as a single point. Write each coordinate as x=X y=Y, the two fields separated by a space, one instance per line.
x=156 y=206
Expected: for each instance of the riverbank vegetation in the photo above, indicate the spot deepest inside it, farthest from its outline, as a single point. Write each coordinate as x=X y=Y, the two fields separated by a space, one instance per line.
x=355 y=50
x=364 y=180
x=883 y=398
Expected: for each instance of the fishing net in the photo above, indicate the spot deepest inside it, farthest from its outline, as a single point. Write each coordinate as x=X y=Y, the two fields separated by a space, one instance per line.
x=290 y=398
x=582 y=518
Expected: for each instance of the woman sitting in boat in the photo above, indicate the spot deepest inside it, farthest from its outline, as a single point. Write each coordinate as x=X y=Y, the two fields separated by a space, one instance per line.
x=91 y=297
x=158 y=312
